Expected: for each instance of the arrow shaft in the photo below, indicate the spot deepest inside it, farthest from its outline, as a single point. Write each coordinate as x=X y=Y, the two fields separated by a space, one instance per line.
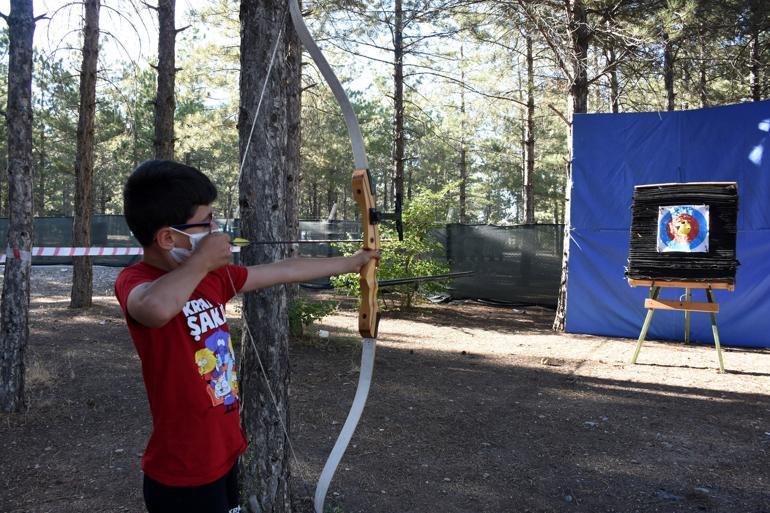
x=419 y=279
x=306 y=241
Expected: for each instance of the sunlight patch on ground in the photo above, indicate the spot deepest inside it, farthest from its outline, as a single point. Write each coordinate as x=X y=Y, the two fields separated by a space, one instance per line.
x=691 y=368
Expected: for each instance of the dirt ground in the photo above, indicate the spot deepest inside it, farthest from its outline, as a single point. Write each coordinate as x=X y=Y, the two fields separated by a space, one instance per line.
x=473 y=409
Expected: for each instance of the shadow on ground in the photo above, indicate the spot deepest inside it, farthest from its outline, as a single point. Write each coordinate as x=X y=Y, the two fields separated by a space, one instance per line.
x=443 y=431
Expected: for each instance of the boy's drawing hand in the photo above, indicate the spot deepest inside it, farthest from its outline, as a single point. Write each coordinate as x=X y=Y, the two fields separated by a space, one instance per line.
x=213 y=250
x=360 y=258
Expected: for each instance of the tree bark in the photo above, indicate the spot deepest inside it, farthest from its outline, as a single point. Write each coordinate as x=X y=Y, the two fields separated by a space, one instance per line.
x=463 y=149
x=40 y=171
x=703 y=93
x=398 y=99
x=82 y=271
x=103 y=195
x=612 y=63
x=529 y=139
x=165 y=102
x=331 y=198
x=3 y=179
x=293 y=143
x=262 y=202
x=668 y=71
x=14 y=311
x=521 y=206
x=315 y=208
x=577 y=102
x=755 y=66
x=66 y=204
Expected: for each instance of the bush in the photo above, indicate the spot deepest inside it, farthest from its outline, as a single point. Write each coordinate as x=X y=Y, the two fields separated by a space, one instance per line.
x=303 y=313
x=417 y=255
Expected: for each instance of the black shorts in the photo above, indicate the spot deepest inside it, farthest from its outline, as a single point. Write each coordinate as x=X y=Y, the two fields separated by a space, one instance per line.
x=221 y=496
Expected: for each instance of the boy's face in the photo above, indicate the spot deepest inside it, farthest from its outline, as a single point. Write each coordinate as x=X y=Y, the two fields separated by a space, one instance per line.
x=201 y=221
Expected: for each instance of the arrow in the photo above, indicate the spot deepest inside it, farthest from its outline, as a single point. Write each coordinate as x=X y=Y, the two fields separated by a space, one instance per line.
x=241 y=242
x=419 y=279
x=238 y=241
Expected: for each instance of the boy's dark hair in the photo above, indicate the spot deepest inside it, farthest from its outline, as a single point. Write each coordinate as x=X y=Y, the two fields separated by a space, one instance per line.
x=162 y=193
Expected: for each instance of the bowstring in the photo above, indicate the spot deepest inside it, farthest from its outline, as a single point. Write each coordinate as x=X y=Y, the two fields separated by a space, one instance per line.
x=244 y=321
x=262 y=94
x=247 y=331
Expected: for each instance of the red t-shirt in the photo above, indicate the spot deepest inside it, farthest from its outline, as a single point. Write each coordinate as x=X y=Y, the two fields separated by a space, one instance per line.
x=189 y=371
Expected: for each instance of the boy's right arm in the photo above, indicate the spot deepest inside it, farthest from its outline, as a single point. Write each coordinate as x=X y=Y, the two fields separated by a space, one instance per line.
x=154 y=303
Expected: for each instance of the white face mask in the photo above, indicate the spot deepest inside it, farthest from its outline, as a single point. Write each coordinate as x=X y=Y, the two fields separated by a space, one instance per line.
x=182 y=254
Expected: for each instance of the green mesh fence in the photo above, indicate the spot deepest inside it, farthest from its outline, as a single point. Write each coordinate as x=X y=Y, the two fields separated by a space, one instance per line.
x=512 y=264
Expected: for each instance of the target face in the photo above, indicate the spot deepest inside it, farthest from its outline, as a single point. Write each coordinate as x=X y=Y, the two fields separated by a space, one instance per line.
x=683 y=228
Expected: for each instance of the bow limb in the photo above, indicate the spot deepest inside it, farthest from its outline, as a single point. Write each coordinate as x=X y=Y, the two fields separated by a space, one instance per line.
x=368 y=316
x=354 y=131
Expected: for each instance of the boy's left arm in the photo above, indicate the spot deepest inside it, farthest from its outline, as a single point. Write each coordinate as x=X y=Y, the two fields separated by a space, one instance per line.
x=295 y=270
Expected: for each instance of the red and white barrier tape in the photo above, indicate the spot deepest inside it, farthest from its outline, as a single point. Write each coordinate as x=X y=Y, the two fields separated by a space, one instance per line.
x=75 y=252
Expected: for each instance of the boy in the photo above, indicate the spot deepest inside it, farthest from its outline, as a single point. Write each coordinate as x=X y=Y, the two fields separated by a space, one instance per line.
x=174 y=305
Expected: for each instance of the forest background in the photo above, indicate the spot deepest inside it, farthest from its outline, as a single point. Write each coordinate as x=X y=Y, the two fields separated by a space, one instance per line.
x=485 y=89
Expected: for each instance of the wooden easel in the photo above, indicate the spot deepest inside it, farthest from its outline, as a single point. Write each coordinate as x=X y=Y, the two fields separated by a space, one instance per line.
x=653 y=303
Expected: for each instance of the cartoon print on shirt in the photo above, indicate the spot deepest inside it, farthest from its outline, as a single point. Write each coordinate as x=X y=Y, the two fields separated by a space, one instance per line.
x=206 y=360
x=216 y=365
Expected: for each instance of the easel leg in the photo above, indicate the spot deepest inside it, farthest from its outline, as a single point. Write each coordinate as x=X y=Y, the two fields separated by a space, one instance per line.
x=716 y=333
x=687 y=318
x=654 y=291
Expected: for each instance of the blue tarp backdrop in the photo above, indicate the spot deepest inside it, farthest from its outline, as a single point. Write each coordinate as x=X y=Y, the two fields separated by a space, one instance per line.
x=613 y=153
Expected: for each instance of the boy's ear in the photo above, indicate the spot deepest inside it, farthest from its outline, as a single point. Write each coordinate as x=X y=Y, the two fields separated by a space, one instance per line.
x=164 y=240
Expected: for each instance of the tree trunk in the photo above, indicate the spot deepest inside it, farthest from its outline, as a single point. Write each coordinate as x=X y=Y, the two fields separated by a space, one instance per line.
x=229 y=223
x=65 y=198
x=2 y=190
x=103 y=198
x=596 y=65
x=668 y=71
x=293 y=143
x=165 y=103
x=577 y=102
x=398 y=100
x=40 y=171
x=704 y=102
x=686 y=86
x=331 y=196
x=14 y=311
x=383 y=193
x=529 y=139
x=463 y=180
x=314 y=208
x=3 y=179
x=135 y=128
x=262 y=201
x=521 y=205
x=409 y=182
x=755 y=67
x=527 y=249
x=463 y=151
x=82 y=271
x=612 y=63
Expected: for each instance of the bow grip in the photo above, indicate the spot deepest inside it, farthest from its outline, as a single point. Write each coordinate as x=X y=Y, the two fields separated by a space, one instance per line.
x=368 y=312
